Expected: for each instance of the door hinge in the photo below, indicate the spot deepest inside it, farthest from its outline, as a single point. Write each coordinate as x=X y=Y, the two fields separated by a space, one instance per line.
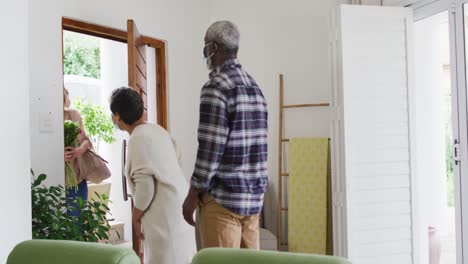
x=456 y=152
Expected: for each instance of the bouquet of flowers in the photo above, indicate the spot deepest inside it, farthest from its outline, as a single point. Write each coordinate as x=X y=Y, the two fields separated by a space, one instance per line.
x=72 y=130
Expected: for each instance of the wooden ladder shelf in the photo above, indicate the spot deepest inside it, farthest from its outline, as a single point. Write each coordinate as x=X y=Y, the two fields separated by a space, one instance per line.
x=281 y=141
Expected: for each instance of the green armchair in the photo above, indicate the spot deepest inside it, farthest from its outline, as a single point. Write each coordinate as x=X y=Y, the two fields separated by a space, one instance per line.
x=236 y=256
x=70 y=252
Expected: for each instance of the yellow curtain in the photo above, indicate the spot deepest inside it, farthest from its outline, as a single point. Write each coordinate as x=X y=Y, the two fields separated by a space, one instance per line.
x=307 y=193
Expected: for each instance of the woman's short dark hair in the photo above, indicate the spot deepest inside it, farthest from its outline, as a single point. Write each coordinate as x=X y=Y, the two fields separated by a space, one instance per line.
x=128 y=104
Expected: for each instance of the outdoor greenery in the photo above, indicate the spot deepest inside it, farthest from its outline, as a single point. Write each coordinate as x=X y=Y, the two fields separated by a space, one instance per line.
x=51 y=218
x=96 y=121
x=449 y=171
x=447 y=112
x=81 y=55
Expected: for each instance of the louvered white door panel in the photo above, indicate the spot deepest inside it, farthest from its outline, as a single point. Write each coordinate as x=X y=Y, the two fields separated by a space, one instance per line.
x=375 y=122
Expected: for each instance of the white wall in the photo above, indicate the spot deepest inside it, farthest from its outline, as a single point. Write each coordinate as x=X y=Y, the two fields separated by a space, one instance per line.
x=370 y=2
x=399 y=2
x=289 y=37
x=15 y=198
x=379 y=2
x=83 y=87
x=177 y=21
x=187 y=74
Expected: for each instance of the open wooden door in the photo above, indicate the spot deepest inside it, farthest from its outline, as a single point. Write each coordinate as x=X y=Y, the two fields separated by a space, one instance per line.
x=137 y=81
x=137 y=62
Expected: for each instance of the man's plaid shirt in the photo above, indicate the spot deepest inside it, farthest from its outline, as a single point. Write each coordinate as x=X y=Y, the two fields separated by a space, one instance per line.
x=232 y=136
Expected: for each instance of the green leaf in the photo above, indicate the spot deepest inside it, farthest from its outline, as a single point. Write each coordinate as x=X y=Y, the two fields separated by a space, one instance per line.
x=41 y=178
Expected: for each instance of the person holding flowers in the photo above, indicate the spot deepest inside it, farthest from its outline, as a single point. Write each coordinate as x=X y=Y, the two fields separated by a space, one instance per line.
x=76 y=144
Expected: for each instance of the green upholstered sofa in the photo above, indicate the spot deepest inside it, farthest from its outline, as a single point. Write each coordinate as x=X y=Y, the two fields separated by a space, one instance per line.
x=70 y=252
x=243 y=256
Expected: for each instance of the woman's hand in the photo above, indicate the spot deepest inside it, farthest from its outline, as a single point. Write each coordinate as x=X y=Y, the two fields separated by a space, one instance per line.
x=136 y=220
x=72 y=153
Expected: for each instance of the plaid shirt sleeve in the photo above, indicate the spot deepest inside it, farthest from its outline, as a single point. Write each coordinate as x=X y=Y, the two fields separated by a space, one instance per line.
x=212 y=135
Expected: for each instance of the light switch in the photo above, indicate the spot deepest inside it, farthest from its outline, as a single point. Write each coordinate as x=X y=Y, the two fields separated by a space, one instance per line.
x=46 y=124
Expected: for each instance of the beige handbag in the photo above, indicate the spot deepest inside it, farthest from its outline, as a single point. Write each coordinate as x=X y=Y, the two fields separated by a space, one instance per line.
x=93 y=167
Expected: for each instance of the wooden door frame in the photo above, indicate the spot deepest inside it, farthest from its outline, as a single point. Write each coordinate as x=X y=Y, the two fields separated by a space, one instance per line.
x=160 y=47
x=119 y=35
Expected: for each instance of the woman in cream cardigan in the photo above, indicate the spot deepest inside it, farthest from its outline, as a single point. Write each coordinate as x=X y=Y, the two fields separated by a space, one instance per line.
x=157 y=183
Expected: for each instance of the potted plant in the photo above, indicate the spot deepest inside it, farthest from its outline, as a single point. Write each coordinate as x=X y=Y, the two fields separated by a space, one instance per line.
x=97 y=123
x=51 y=220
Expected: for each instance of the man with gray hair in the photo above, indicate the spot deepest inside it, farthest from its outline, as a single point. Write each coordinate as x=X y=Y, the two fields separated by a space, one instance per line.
x=230 y=176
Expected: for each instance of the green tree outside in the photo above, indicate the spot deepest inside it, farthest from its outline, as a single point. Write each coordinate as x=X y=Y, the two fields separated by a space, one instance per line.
x=81 y=55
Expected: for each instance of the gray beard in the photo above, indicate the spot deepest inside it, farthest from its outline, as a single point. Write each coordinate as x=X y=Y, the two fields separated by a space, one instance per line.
x=209 y=65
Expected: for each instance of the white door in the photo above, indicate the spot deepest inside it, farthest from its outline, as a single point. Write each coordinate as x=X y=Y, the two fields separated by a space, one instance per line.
x=372 y=147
